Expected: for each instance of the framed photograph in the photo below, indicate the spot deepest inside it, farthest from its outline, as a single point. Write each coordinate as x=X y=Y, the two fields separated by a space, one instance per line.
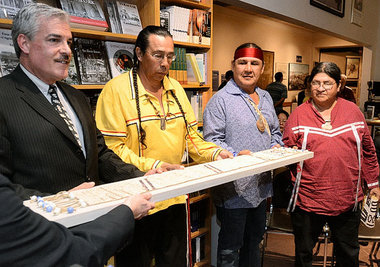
x=352 y=67
x=356 y=12
x=297 y=74
x=267 y=76
x=282 y=67
x=335 y=7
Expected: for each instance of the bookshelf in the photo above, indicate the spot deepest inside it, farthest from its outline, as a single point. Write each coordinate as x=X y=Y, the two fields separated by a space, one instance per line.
x=149 y=11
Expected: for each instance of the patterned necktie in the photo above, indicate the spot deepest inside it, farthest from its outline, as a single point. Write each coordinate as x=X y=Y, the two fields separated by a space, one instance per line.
x=62 y=112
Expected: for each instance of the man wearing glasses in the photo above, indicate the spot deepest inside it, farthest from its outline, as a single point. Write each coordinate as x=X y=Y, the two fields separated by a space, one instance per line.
x=147 y=120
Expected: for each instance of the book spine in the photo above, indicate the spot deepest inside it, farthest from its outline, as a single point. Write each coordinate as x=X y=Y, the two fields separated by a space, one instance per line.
x=184 y=65
x=92 y=22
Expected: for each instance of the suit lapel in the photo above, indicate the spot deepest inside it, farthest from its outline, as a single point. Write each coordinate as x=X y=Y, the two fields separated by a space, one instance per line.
x=36 y=100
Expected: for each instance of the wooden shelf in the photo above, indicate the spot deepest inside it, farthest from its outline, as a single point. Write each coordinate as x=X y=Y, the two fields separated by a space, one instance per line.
x=191 y=45
x=6 y=23
x=199 y=198
x=196 y=86
x=199 y=232
x=105 y=36
x=187 y=3
x=88 y=86
x=202 y=263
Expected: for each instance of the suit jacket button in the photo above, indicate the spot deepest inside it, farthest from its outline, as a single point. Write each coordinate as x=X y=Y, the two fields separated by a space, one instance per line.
x=88 y=178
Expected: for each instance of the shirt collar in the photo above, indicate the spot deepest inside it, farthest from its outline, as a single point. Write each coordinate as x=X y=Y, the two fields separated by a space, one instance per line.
x=233 y=89
x=43 y=87
x=167 y=82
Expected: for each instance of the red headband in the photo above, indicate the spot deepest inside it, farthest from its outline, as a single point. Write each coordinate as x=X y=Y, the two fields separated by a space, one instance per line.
x=249 y=52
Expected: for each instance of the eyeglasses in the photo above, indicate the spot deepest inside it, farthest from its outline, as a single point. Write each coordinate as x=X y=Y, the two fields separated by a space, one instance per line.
x=325 y=85
x=159 y=56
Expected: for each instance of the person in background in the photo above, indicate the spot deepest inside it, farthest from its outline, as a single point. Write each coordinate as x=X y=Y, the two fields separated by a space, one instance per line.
x=328 y=186
x=28 y=239
x=345 y=91
x=148 y=121
x=282 y=185
x=278 y=91
x=241 y=118
x=304 y=95
x=282 y=116
x=227 y=76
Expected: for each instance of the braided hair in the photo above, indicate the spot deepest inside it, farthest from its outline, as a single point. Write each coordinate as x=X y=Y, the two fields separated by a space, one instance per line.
x=143 y=42
x=142 y=133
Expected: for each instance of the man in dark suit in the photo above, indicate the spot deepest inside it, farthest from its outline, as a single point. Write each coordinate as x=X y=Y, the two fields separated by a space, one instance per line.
x=28 y=239
x=38 y=151
x=49 y=143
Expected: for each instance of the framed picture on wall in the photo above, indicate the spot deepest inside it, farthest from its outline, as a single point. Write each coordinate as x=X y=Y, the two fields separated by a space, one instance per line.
x=335 y=7
x=267 y=76
x=352 y=67
x=356 y=12
x=297 y=74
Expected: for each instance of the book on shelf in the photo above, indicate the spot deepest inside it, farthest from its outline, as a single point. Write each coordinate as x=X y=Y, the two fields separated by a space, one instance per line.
x=8 y=58
x=179 y=18
x=92 y=62
x=129 y=18
x=201 y=27
x=113 y=20
x=120 y=57
x=85 y=14
x=165 y=19
x=196 y=104
x=193 y=72
x=73 y=77
x=206 y=39
x=198 y=248
x=9 y=9
x=202 y=65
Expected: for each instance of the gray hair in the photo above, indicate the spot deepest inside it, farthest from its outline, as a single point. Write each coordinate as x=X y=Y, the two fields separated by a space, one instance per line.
x=27 y=21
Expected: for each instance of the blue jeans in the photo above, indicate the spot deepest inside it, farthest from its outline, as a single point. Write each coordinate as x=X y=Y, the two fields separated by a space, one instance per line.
x=241 y=231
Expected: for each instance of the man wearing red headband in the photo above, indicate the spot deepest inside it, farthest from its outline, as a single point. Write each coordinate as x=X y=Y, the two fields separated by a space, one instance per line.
x=241 y=117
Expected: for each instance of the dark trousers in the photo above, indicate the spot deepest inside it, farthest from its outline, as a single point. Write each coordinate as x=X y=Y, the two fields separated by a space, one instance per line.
x=344 y=229
x=241 y=231
x=162 y=235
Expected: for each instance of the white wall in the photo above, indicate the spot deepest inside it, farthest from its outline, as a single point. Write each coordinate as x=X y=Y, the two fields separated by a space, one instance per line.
x=302 y=13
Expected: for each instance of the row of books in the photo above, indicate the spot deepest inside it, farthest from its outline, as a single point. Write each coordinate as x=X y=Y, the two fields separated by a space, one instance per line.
x=122 y=17
x=90 y=65
x=196 y=101
x=9 y=9
x=189 y=68
x=187 y=25
x=197 y=216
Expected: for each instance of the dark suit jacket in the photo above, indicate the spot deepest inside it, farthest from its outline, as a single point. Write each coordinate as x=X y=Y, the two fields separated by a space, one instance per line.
x=37 y=150
x=28 y=239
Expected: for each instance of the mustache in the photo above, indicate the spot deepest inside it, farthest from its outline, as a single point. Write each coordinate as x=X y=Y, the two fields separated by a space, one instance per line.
x=64 y=58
